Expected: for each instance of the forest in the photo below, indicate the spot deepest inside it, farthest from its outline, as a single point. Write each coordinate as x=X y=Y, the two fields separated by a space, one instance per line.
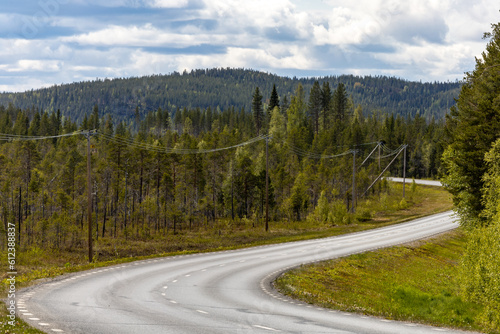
x=125 y=99
x=471 y=172
x=173 y=171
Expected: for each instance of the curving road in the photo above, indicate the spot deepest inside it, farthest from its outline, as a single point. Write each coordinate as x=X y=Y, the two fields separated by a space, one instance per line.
x=222 y=292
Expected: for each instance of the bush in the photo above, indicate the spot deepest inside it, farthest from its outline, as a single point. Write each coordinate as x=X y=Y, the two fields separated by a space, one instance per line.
x=338 y=214
x=363 y=214
x=480 y=281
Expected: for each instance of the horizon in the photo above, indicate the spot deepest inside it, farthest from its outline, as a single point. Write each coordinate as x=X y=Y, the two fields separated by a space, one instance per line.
x=319 y=78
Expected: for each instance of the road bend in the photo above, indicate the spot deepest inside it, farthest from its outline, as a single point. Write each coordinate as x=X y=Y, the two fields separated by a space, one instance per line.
x=220 y=292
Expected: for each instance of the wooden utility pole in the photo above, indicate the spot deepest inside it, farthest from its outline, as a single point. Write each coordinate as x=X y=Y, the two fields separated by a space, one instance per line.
x=96 y=213
x=353 y=180
x=267 y=184
x=379 y=146
x=404 y=170
x=89 y=196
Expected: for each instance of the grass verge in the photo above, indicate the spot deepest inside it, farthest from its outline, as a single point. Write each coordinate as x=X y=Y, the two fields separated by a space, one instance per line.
x=415 y=282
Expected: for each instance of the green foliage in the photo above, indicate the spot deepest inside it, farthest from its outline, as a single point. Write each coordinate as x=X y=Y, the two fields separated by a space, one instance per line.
x=139 y=191
x=481 y=263
x=315 y=99
x=274 y=100
x=321 y=211
x=338 y=214
x=128 y=99
x=416 y=283
x=340 y=103
x=471 y=163
x=491 y=190
x=480 y=269
x=472 y=127
x=257 y=110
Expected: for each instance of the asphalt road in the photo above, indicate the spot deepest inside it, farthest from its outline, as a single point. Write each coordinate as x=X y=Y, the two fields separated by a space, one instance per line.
x=222 y=292
x=409 y=181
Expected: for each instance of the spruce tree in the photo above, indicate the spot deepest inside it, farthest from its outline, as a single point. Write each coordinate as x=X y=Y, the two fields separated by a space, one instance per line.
x=315 y=100
x=274 y=101
x=326 y=100
x=340 y=103
x=472 y=126
x=258 y=112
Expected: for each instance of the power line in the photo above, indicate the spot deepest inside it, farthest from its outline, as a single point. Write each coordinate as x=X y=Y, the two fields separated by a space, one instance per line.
x=160 y=149
x=311 y=155
x=156 y=148
x=12 y=137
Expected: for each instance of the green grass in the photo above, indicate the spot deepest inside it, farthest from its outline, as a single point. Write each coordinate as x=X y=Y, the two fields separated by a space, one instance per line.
x=416 y=282
x=35 y=263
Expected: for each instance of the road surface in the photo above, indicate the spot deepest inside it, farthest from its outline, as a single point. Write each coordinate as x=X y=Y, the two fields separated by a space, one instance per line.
x=422 y=182
x=222 y=292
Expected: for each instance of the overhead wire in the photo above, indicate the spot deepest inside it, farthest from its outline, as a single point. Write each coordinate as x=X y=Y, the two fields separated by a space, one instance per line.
x=160 y=149
x=10 y=137
x=307 y=154
x=169 y=150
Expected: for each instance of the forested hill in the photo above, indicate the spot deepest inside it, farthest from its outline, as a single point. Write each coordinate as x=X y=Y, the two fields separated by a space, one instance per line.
x=226 y=88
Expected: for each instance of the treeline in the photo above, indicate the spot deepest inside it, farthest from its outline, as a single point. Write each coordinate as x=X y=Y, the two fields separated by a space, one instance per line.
x=169 y=174
x=221 y=89
x=471 y=164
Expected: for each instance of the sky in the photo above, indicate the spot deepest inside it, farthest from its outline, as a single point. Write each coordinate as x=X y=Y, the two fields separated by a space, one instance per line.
x=52 y=42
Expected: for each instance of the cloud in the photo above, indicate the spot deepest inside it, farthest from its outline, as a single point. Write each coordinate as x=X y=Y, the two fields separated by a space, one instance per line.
x=169 y=3
x=46 y=42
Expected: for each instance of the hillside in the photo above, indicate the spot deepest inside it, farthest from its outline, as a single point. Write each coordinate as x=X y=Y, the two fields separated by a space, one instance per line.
x=224 y=88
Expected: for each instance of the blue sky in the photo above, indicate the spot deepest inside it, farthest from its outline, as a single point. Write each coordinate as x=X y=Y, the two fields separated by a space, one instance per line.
x=47 y=42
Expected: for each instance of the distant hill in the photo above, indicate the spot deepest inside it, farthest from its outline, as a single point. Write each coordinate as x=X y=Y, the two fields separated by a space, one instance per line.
x=224 y=88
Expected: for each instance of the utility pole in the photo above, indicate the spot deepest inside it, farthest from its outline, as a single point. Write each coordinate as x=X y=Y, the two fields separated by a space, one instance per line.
x=404 y=170
x=231 y=167
x=379 y=146
x=89 y=195
x=267 y=184
x=353 y=180
x=96 y=213
x=385 y=169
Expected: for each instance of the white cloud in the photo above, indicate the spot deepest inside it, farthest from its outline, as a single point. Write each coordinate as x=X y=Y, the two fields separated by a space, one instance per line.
x=141 y=36
x=169 y=3
x=414 y=39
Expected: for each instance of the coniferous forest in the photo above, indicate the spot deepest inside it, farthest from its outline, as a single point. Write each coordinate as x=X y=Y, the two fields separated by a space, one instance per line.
x=126 y=99
x=169 y=170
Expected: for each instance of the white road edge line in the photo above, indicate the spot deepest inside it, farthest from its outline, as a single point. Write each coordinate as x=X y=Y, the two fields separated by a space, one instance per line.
x=267 y=328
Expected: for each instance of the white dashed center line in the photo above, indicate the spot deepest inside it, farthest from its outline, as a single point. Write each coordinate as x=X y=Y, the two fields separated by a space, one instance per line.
x=267 y=328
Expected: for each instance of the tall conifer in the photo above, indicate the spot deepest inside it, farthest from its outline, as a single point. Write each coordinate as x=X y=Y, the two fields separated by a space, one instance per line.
x=258 y=112
x=472 y=126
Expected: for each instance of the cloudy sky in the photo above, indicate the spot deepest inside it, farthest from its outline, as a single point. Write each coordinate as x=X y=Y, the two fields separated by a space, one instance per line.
x=47 y=42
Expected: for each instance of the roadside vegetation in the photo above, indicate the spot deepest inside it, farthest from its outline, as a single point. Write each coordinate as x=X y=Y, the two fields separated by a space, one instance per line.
x=417 y=282
x=471 y=166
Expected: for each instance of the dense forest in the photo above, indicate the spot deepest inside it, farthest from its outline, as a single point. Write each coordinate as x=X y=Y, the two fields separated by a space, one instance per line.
x=198 y=166
x=221 y=89
x=472 y=174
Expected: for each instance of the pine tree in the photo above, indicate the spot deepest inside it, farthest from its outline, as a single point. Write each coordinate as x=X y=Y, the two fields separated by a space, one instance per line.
x=94 y=118
x=257 y=110
x=315 y=100
x=326 y=101
x=472 y=126
x=274 y=101
x=340 y=103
